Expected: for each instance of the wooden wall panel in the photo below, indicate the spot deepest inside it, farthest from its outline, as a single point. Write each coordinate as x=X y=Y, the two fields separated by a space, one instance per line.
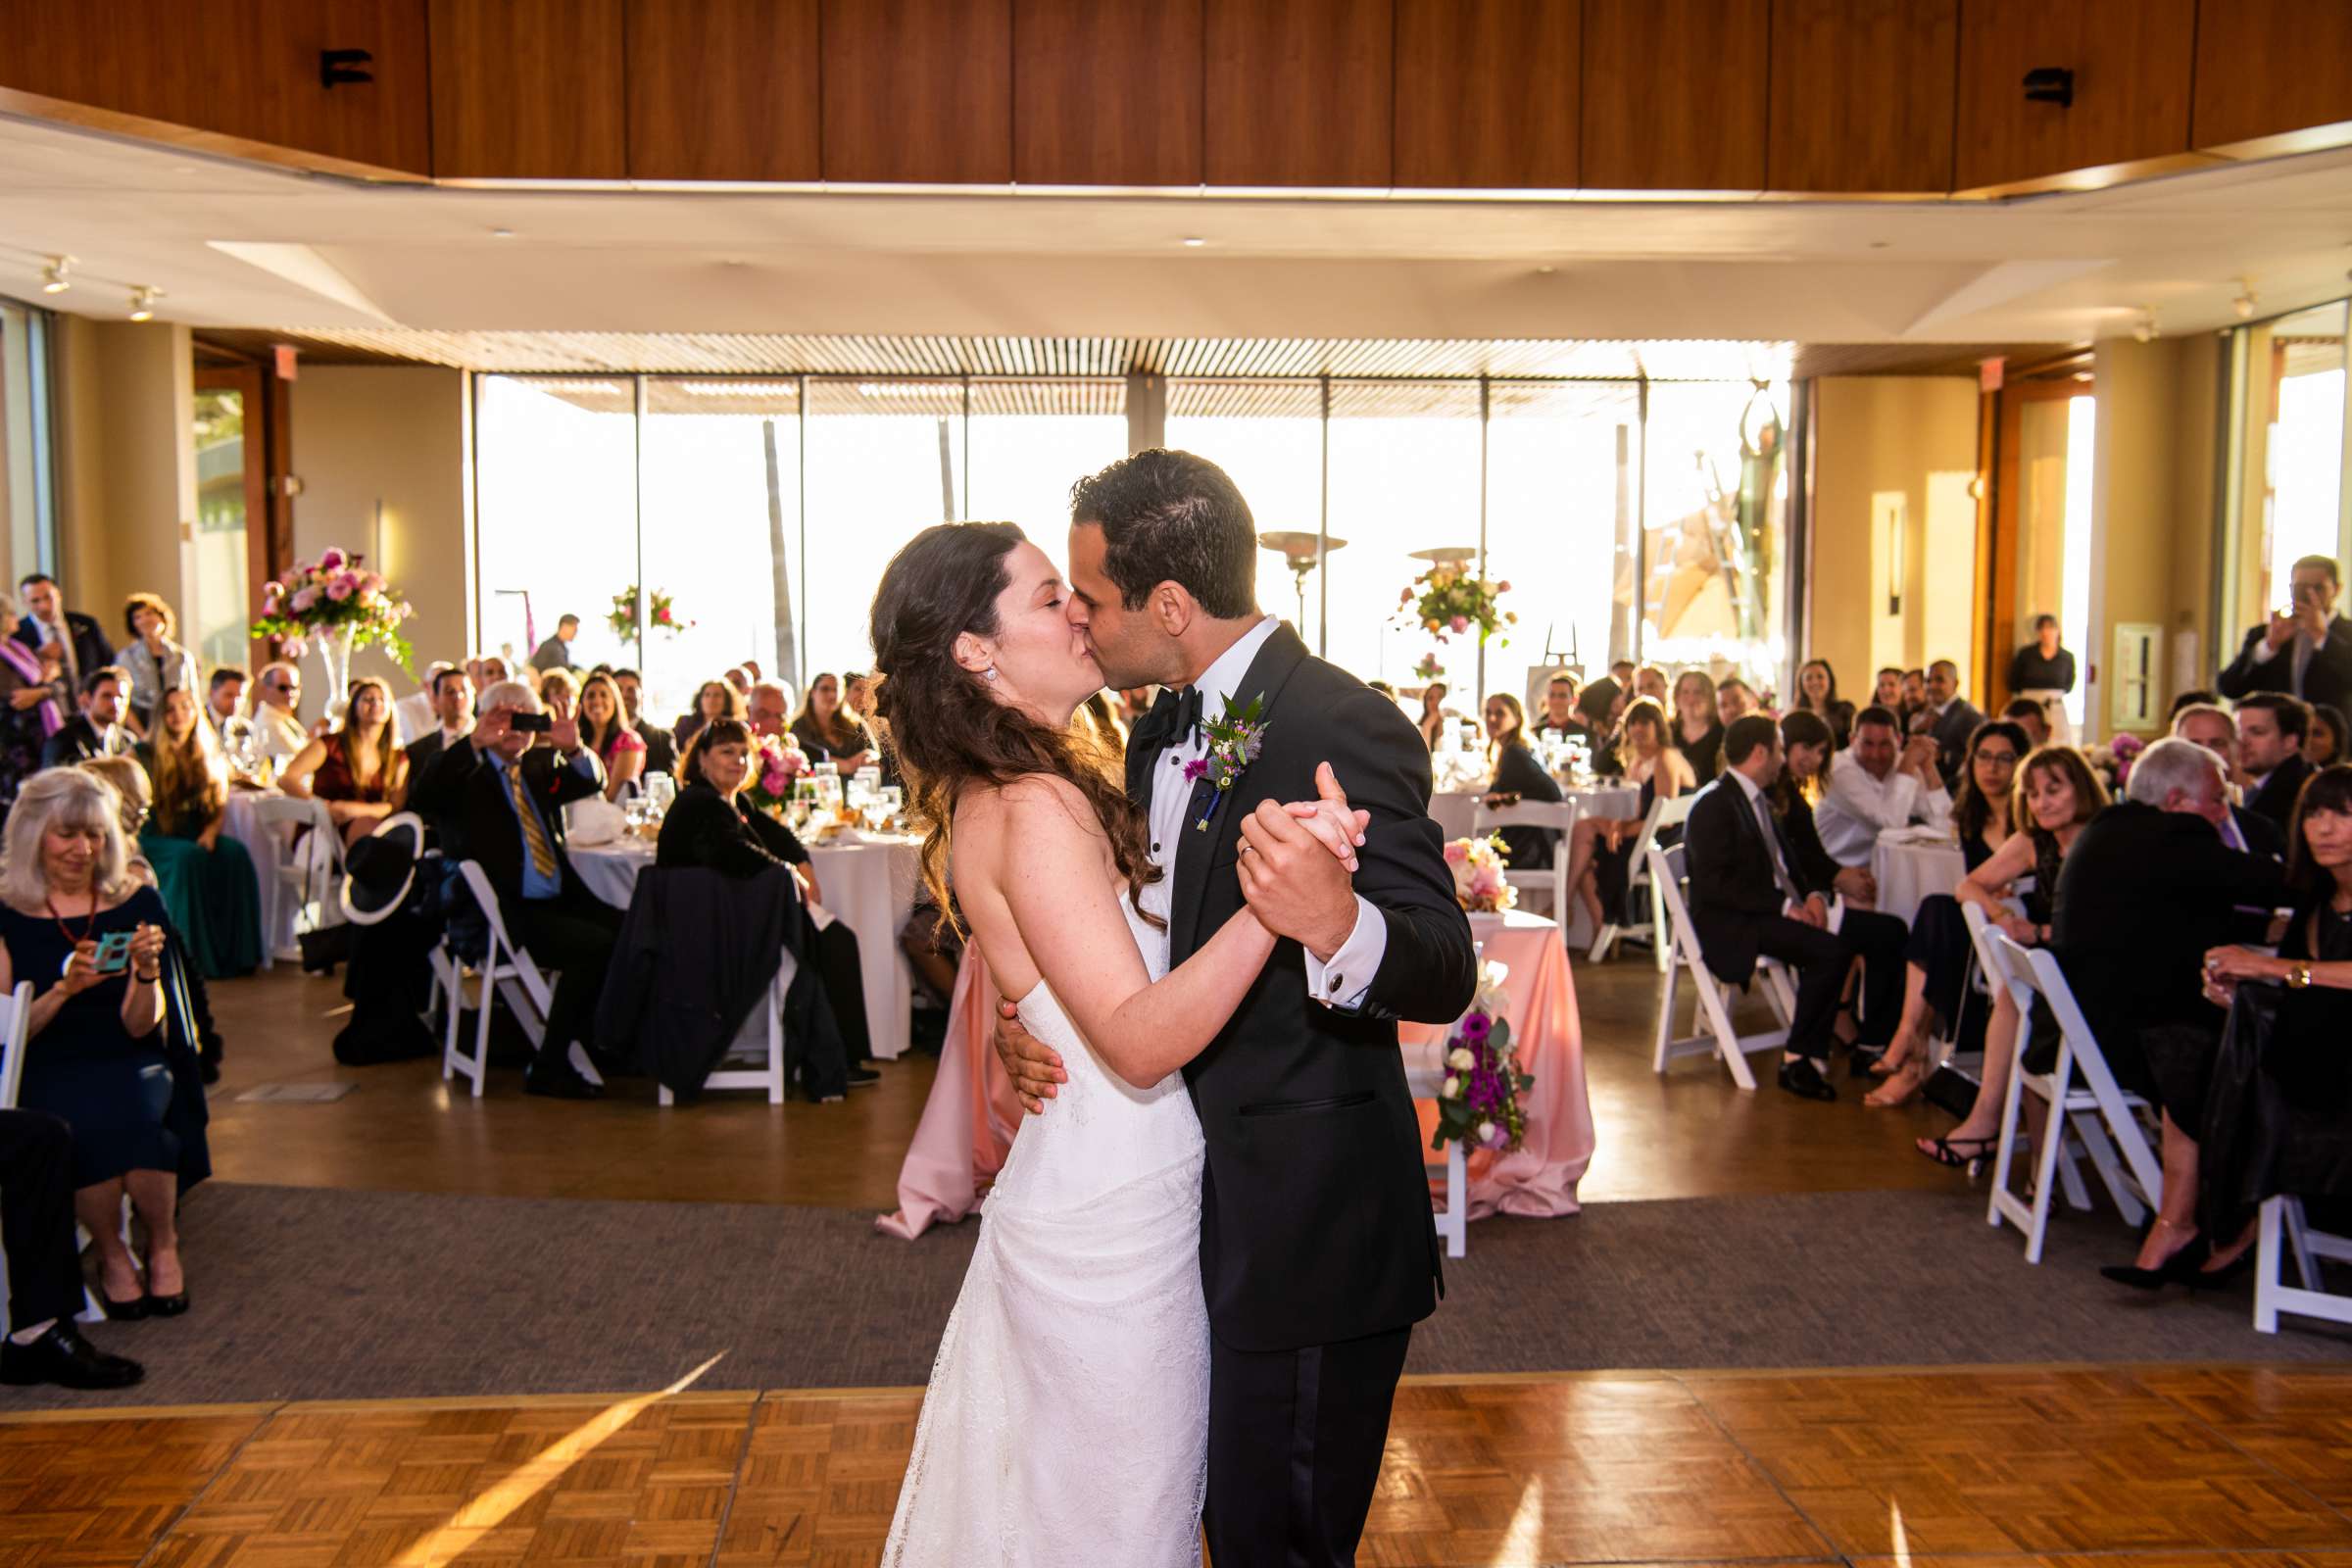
x=1106 y=93
x=2131 y=60
x=529 y=89
x=721 y=89
x=2267 y=67
x=248 y=72
x=918 y=91
x=1487 y=94
x=1673 y=94
x=1301 y=92
x=1862 y=95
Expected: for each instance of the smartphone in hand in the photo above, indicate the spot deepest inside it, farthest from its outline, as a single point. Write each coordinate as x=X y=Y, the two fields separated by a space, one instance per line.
x=114 y=952
x=533 y=723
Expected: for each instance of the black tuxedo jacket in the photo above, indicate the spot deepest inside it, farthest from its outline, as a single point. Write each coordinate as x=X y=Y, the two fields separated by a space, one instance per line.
x=2276 y=800
x=2327 y=678
x=77 y=740
x=1733 y=891
x=1316 y=1221
x=1953 y=726
x=660 y=751
x=464 y=795
x=91 y=650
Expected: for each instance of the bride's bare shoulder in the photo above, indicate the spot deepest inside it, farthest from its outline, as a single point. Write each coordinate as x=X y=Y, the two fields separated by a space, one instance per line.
x=1027 y=808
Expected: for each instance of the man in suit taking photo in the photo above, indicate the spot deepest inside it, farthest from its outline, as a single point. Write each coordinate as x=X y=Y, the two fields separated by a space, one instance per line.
x=2304 y=650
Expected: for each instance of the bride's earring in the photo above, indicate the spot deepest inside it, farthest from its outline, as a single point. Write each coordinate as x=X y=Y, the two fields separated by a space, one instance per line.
x=990 y=673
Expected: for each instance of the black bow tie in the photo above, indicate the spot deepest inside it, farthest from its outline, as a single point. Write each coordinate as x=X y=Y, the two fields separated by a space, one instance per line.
x=1175 y=716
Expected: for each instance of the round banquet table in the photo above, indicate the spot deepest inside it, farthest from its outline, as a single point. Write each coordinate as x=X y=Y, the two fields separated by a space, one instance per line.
x=1909 y=868
x=867 y=883
x=972 y=1114
x=268 y=849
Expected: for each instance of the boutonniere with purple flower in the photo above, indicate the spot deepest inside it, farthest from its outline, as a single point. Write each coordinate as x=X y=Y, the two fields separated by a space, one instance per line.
x=1234 y=742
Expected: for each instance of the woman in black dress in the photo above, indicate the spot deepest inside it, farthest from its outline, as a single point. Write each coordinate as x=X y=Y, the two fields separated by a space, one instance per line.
x=1518 y=776
x=1817 y=694
x=1699 y=724
x=96 y=1056
x=711 y=825
x=829 y=732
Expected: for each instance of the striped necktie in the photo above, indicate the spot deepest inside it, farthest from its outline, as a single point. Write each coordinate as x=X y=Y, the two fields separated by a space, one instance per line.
x=534 y=831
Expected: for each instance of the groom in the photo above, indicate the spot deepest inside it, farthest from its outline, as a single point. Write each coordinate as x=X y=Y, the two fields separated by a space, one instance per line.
x=1317 y=1253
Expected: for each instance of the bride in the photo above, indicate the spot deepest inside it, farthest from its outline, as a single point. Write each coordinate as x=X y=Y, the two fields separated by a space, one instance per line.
x=1067 y=1417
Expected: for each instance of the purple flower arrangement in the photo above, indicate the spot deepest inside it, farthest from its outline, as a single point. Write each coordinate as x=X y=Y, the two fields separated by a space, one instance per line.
x=1477 y=1103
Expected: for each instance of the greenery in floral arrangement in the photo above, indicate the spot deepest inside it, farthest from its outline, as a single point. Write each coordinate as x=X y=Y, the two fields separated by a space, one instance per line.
x=335 y=595
x=1478 y=1102
x=661 y=613
x=1446 y=601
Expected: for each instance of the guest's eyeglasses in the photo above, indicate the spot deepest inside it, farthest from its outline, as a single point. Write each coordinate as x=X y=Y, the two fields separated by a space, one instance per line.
x=1998 y=758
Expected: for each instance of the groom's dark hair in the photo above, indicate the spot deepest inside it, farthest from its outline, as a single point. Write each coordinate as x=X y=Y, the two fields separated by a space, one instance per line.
x=1170 y=516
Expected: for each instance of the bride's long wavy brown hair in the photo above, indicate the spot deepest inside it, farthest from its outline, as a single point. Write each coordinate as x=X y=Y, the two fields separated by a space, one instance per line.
x=948 y=734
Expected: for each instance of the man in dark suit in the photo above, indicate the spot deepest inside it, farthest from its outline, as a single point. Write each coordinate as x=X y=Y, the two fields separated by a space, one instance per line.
x=97 y=730
x=2305 y=652
x=46 y=621
x=661 y=746
x=1753 y=895
x=500 y=800
x=1948 y=716
x=1312 y=1294
x=2271 y=728
x=452 y=695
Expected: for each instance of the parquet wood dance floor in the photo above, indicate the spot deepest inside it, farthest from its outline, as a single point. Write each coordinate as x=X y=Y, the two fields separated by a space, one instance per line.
x=2165 y=1468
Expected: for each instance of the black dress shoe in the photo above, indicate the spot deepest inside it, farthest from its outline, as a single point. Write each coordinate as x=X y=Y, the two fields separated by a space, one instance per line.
x=557 y=1080
x=864 y=1077
x=64 y=1357
x=1803 y=1079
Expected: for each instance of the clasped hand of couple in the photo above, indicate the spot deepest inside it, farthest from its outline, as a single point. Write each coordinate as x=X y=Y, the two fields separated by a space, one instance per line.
x=1297 y=858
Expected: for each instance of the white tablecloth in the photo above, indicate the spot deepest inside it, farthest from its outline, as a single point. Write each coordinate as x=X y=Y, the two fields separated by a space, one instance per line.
x=1909 y=869
x=868 y=886
x=268 y=847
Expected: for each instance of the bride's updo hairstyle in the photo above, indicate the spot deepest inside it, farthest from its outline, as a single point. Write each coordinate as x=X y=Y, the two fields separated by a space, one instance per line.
x=949 y=731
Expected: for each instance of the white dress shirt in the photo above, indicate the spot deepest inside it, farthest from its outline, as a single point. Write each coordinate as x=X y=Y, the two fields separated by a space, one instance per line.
x=1859 y=807
x=1342 y=982
x=280 y=732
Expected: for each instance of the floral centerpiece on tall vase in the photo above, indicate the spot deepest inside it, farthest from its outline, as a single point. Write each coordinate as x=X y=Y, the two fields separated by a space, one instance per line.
x=775 y=764
x=1478 y=1102
x=341 y=606
x=661 y=613
x=1448 y=601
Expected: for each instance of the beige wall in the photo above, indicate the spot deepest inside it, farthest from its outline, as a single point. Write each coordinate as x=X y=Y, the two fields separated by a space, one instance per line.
x=384 y=456
x=2153 y=520
x=1879 y=440
x=126 y=481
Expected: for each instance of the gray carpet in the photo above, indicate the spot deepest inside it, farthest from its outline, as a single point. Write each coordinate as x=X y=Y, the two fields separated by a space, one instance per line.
x=324 y=1294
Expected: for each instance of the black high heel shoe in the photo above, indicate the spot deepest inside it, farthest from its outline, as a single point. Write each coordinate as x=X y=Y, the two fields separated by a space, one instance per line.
x=2214 y=1279
x=167 y=1305
x=2182 y=1268
x=131 y=1311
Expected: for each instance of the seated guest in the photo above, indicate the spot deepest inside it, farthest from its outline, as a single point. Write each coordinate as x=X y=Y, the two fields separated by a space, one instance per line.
x=34 y=703
x=1984 y=812
x=207 y=881
x=1750 y=899
x=1600 y=848
x=1889 y=691
x=1650 y=681
x=96 y=1056
x=452 y=692
x=2254 y=1145
x=2212 y=727
x=741 y=678
x=413 y=715
x=560 y=693
x=660 y=751
x=2029 y=715
x=767 y=710
x=2270 y=726
x=500 y=799
x=1817 y=694
x=2323 y=746
x=1734 y=699
x=1518 y=776
x=2057 y=794
x=136 y=795
x=1433 y=713
x=223 y=696
x=825 y=730
x=1914 y=701
x=44 y=1344
x=1874 y=787
x=711 y=825
x=717 y=699
x=1560 y=723
x=358 y=769
x=1806 y=754
x=604 y=731
x=1600 y=707
x=1948 y=716
x=1621 y=671
x=857 y=696
x=486 y=671
x=1697 y=728
x=275 y=710
x=156 y=664
x=97 y=730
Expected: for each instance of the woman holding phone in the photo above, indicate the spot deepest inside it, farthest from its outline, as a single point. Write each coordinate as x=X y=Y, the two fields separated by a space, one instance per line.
x=90 y=938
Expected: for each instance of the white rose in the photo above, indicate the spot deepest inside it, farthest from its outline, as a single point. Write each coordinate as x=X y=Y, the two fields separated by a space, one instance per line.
x=1460 y=1060
x=1486 y=1131
x=1451 y=1088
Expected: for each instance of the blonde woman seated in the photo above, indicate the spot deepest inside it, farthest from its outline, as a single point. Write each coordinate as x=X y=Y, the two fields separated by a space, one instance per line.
x=207 y=881
x=358 y=769
x=1600 y=851
x=95 y=1059
x=605 y=730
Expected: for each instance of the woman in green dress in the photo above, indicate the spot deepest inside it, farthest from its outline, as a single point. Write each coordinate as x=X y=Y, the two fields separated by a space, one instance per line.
x=206 y=879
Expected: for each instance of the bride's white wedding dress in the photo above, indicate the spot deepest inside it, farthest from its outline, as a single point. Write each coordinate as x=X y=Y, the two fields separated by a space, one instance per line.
x=1067 y=1418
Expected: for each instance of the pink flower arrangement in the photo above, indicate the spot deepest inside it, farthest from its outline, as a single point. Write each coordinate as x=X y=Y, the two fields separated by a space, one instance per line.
x=1478 y=883
x=776 y=762
x=334 y=594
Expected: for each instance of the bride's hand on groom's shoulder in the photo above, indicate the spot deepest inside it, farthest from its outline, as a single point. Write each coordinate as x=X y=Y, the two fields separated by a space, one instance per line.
x=1033 y=1067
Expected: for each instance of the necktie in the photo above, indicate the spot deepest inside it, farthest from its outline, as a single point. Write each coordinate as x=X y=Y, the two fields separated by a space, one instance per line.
x=534 y=831
x=2302 y=661
x=1774 y=853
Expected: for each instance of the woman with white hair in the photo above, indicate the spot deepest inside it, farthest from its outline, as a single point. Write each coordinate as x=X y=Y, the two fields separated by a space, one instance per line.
x=90 y=938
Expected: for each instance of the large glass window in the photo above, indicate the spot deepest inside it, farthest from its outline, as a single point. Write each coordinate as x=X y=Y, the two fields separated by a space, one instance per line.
x=1031 y=440
x=885 y=462
x=1563 y=464
x=1405 y=482
x=556 y=480
x=1715 y=497
x=2287 y=493
x=216 y=633
x=1268 y=435
x=27 y=492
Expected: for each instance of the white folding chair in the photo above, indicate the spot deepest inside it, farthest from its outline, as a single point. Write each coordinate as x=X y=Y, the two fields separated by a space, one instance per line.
x=2098 y=1114
x=505 y=970
x=1558 y=815
x=1712 y=1014
x=1453 y=1225
x=759 y=1039
x=1663 y=814
x=15 y=1032
x=2282 y=1221
x=310 y=870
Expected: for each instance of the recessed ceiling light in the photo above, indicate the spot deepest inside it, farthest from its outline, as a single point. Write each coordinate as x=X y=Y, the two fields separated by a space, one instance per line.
x=1880 y=244
x=1194 y=242
x=1545 y=271
x=502 y=234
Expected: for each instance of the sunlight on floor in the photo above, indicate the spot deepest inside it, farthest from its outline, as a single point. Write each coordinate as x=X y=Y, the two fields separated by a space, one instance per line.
x=488 y=1512
x=1523 y=1540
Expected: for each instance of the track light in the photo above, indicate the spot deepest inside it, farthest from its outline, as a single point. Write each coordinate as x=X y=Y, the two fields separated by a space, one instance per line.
x=2145 y=329
x=53 y=277
x=142 y=302
x=2243 y=305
